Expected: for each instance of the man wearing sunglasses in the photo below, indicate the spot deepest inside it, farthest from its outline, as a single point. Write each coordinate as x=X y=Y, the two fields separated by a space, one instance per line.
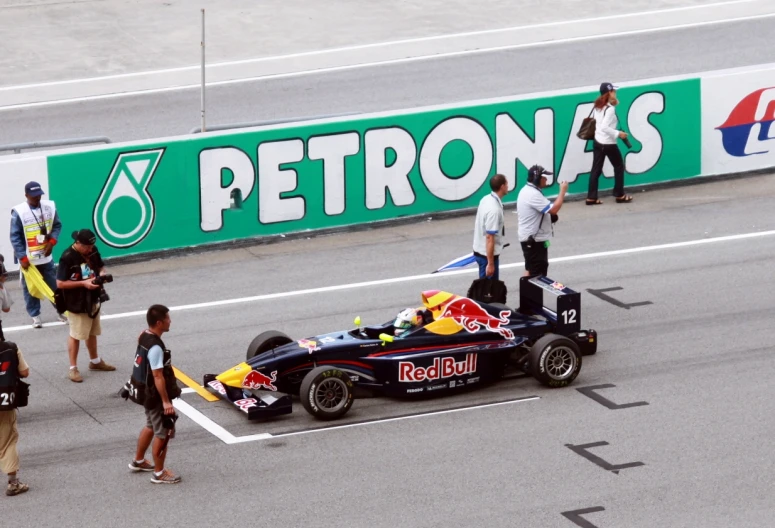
x=78 y=267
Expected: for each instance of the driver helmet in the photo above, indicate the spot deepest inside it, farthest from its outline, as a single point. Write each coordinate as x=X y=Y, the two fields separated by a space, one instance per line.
x=406 y=320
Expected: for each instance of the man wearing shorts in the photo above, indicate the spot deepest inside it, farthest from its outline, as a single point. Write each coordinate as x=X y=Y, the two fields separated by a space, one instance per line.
x=153 y=385
x=78 y=266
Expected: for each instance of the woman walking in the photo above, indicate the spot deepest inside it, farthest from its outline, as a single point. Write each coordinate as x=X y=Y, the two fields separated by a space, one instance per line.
x=605 y=146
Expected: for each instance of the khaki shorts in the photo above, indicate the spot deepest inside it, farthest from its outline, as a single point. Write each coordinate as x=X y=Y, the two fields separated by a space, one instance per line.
x=153 y=420
x=82 y=326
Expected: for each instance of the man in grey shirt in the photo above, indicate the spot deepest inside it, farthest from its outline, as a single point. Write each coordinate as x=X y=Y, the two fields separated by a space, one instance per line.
x=536 y=215
x=489 y=228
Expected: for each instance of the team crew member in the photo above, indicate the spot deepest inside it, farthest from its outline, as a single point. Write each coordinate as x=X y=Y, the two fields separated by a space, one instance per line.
x=154 y=386
x=35 y=228
x=535 y=220
x=78 y=266
x=605 y=145
x=489 y=228
x=12 y=367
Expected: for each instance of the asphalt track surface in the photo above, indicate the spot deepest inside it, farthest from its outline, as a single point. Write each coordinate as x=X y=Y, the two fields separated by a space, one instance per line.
x=403 y=85
x=700 y=356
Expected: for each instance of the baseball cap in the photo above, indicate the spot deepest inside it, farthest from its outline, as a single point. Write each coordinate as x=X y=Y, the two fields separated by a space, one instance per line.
x=85 y=236
x=3 y=271
x=33 y=189
x=537 y=171
x=607 y=87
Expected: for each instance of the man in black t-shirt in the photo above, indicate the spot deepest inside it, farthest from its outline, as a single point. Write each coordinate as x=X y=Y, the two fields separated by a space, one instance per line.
x=78 y=266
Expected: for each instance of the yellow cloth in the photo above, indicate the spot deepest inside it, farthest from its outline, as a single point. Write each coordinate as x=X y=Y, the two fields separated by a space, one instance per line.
x=37 y=286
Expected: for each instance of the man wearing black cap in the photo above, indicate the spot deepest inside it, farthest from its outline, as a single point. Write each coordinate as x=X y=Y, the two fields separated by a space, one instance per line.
x=536 y=215
x=35 y=228
x=78 y=266
x=605 y=146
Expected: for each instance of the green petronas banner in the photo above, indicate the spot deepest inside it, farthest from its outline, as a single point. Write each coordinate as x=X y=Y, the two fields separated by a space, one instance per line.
x=212 y=188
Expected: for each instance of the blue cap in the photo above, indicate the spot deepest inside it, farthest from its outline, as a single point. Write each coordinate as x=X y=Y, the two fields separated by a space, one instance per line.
x=607 y=87
x=33 y=189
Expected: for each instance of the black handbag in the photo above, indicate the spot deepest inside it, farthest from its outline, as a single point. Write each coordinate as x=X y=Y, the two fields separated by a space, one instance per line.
x=587 y=129
x=488 y=291
x=22 y=394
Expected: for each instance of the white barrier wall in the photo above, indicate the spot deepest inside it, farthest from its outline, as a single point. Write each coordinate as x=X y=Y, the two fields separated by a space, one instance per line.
x=15 y=172
x=738 y=110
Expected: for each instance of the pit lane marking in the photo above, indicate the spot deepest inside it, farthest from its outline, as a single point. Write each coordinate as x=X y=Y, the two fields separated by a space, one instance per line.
x=228 y=438
x=425 y=276
x=195 y=387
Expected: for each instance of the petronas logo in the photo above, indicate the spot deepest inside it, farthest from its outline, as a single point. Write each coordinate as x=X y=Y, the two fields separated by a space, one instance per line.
x=125 y=212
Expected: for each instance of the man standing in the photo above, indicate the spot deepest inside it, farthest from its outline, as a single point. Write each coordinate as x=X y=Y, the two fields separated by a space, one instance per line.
x=78 y=267
x=35 y=229
x=535 y=213
x=12 y=367
x=154 y=386
x=489 y=228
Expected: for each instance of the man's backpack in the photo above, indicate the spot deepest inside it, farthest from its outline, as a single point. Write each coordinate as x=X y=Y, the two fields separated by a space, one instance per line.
x=488 y=291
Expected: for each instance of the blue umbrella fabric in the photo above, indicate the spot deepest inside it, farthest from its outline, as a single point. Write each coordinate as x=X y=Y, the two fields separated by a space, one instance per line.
x=460 y=262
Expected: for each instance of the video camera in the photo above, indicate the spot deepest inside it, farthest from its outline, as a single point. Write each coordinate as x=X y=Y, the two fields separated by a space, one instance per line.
x=100 y=280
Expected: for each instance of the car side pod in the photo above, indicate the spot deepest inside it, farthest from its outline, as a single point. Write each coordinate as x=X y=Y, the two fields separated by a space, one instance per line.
x=258 y=405
x=560 y=305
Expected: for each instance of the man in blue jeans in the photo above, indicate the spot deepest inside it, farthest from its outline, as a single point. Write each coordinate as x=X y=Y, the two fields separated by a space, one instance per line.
x=489 y=228
x=35 y=229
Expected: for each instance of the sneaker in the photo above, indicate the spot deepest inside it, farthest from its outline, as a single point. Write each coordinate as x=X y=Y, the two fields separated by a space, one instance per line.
x=16 y=488
x=101 y=366
x=74 y=375
x=143 y=466
x=36 y=322
x=166 y=477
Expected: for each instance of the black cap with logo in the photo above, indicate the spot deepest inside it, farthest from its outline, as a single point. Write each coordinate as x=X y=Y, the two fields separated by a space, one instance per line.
x=85 y=236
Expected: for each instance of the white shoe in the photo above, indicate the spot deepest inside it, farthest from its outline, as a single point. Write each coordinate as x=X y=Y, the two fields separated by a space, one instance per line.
x=36 y=322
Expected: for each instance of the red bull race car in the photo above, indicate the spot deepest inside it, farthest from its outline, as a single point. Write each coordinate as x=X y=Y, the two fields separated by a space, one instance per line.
x=449 y=343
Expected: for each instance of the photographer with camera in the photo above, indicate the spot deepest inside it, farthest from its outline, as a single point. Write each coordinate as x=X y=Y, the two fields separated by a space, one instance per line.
x=80 y=278
x=605 y=146
x=153 y=385
x=536 y=216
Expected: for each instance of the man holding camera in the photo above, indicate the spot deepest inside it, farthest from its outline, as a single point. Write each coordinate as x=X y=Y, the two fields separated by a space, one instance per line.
x=35 y=228
x=536 y=216
x=153 y=385
x=80 y=277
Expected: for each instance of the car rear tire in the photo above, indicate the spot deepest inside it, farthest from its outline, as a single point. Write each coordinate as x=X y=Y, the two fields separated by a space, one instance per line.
x=266 y=341
x=327 y=393
x=555 y=361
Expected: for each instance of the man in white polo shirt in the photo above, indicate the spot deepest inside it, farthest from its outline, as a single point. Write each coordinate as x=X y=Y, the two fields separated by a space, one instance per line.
x=535 y=220
x=489 y=228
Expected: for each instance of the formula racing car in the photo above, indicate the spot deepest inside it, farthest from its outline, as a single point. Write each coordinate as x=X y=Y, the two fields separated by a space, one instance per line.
x=448 y=343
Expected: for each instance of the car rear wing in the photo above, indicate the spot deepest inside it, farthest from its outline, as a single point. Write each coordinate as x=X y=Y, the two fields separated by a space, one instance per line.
x=552 y=300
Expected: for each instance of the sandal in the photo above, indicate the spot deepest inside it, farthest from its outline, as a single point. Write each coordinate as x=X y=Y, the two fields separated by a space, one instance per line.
x=594 y=202
x=624 y=199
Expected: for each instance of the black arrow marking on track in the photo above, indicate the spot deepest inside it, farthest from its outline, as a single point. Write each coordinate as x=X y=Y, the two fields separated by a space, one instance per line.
x=599 y=294
x=590 y=392
x=614 y=468
x=575 y=516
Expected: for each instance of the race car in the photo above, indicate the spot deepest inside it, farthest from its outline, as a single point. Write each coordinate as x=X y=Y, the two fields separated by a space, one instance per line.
x=449 y=343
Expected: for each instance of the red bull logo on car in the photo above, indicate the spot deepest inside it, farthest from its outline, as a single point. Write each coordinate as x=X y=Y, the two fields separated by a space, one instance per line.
x=472 y=317
x=258 y=380
x=748 y=130
x=441 y=368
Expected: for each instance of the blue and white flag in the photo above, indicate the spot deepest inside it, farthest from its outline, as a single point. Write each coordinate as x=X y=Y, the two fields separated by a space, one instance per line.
x=458 y=263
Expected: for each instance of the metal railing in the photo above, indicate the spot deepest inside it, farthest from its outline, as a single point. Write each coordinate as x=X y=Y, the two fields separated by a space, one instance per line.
x=267 y=122
x=18 y=147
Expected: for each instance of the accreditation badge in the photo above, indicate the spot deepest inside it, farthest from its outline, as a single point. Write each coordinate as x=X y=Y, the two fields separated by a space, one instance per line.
x=40 y=239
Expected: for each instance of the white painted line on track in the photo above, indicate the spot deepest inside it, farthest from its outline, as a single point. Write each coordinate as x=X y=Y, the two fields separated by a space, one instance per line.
x=384 y=53
x=229 y=438
x=425 y=276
